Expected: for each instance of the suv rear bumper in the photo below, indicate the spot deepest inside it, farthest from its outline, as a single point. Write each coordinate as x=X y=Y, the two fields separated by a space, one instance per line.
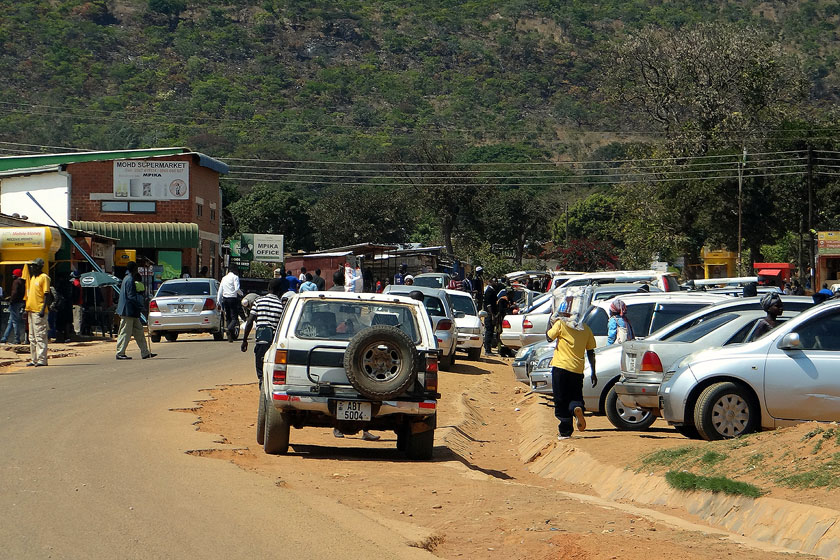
x=291 y=400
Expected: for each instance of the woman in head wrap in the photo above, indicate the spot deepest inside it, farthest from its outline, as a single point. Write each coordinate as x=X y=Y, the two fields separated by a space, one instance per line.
x=618 y=328
x=772 y=304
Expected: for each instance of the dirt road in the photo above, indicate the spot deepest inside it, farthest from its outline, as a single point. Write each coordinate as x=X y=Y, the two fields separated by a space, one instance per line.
x=476 y=499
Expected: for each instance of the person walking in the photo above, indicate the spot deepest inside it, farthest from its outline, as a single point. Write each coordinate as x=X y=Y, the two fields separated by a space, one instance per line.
x=574 y=339
x=265 y=314
x=773 y=306
x=399 y=277
x=478 y=287
x=16 y=304
x=36 y=313
x=128 y=308
x=230 y=294
x=76 y=298
x=302 y=275
x=292 y=280
x=319 y=281
x=619 y=329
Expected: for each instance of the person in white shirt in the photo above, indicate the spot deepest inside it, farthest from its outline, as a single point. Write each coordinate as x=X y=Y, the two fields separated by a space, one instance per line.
x=302 y=276
x=352 y=278
x=229 y=296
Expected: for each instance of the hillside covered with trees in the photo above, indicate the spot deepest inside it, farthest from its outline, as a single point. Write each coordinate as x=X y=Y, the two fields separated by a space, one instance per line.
x=520 y=127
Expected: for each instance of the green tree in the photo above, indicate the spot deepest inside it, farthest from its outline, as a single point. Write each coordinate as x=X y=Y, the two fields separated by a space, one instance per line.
x=271 y=209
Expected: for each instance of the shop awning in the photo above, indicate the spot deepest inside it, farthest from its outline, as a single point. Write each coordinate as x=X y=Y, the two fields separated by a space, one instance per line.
x=769 y=272
x=160 y=235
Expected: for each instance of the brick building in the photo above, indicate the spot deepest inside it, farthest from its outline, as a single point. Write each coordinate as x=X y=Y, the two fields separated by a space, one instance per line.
x=163 y=204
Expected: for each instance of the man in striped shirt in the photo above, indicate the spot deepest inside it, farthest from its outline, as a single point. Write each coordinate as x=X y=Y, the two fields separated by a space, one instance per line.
x=265 y=313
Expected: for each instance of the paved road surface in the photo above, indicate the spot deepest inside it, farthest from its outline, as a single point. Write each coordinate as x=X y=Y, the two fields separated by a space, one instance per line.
x=93 y=465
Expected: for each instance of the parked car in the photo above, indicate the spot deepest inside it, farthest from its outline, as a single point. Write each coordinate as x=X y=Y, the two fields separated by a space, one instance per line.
x=651 y=309
x=644 y=362
x=185 y=305
x=468 y=324
x=432 y=280
x=787 y=376
x=439 y=307
x=665 y=281
x=351 y=362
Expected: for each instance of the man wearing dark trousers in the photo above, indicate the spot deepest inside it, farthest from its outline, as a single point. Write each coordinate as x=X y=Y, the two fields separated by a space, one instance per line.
x=230 y=295
x=574 y=339
x=265 y=313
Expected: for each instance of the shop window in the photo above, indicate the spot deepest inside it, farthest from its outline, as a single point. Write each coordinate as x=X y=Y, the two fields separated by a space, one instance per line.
x=125 y=206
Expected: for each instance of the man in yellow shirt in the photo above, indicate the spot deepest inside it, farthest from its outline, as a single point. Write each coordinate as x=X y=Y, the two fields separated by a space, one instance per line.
x=574 y=339
x=36 y=309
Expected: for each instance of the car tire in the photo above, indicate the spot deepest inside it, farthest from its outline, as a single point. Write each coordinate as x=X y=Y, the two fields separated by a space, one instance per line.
x=725 y=410
x=171 y=336
x=474 y=354
x=381 y=362
x=154 y=338
x=276 y=431
x=420 y=446
x=688 y=431
x=625 y=418
x=219 y=335
x=261 y=421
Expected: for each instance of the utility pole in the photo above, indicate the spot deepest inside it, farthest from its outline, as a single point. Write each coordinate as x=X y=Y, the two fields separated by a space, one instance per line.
x=810 y=184
x=741 y=165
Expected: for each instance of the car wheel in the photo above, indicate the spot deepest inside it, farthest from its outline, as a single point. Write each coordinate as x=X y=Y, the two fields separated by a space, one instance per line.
x=261 y=421
x=474 y=354
x=171 y=336
x=626 y=418
x=420 y=446
x=687 y=431
x=219 y=335
x=381 y=362
x=276 y=434
x=154 y=338
x=725 y=410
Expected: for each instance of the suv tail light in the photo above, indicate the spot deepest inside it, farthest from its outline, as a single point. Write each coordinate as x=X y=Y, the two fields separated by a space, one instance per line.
x=444 y=325
x=430 y=381
x=505 y=324
x=526 y=324
x=279 y=375
x=651 y=362
x=153 y=306
x=209 y=304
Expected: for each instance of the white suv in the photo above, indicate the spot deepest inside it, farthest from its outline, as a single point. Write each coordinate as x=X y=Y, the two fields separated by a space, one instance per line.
x=351 y=362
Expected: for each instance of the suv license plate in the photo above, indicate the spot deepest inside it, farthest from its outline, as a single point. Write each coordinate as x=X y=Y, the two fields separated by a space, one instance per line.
x=352 y=410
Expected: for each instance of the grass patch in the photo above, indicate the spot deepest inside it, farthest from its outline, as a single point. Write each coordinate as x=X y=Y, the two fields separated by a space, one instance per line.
x=815 y=432
x=817 y=447
x=755 y=460
x=826 y=475
x=667 y=457
x=687 y=481
x=710 y=458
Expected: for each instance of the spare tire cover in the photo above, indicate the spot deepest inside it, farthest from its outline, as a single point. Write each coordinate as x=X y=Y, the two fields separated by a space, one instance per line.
x=381 y=362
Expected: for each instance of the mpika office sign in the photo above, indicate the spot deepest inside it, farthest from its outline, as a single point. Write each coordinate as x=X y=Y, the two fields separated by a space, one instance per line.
x=268 y=248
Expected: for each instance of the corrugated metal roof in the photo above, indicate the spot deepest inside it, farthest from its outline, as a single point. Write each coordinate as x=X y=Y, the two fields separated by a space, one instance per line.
x=159 y=235
x=39 y=160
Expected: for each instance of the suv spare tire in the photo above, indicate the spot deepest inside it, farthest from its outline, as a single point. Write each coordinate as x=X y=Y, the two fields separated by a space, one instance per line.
x=381 y=362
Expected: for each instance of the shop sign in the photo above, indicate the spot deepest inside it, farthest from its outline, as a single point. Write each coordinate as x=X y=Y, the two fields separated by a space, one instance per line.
x=828 y=243
x=268 y=248
x=151 y=180
x=23 y=238
x=97 y=250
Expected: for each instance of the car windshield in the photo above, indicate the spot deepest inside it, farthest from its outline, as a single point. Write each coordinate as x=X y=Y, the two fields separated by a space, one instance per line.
x=700 y=330
x=340 y=320
x=184 y=289
x=429 y=281
x=464 y=304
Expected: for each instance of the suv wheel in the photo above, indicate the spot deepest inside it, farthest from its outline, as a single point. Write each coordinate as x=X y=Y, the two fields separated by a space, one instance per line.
x=261 y=421
x=171 y=336
x=154 y=338
x=381 y=362
x=624 y=417
x=420 y=446
x=725 y=410
x=276 y=432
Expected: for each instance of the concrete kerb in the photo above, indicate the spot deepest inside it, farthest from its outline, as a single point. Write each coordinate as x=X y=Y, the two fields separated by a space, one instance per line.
x=793 y=526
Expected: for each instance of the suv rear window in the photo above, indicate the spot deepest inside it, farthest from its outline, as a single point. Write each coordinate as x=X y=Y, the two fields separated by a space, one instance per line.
x=184 y=289
x=341 y=320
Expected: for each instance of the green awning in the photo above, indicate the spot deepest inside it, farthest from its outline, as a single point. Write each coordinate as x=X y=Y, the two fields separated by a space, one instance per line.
x=160 y=235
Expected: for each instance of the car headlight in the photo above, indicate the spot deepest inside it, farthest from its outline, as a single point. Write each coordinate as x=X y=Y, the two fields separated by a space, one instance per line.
x=521 y=354
x=545 y=363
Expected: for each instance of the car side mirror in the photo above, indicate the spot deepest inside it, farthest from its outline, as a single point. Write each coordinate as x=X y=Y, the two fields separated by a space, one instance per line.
x=460 y=314
x=482 y=314
x=790 y=341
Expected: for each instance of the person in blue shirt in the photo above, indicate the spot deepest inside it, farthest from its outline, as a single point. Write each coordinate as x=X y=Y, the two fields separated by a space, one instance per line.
x=293 y=281
x=399 y=277
x=618 y=328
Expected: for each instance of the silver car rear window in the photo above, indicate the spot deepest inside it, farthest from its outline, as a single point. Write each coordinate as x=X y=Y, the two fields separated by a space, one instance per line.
x=184 y=289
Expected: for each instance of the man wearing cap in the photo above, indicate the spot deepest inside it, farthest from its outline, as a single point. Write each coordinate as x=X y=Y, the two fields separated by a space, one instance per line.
x=128 y=308
x=773 y=306
x=36 y=312
x=15 y=308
